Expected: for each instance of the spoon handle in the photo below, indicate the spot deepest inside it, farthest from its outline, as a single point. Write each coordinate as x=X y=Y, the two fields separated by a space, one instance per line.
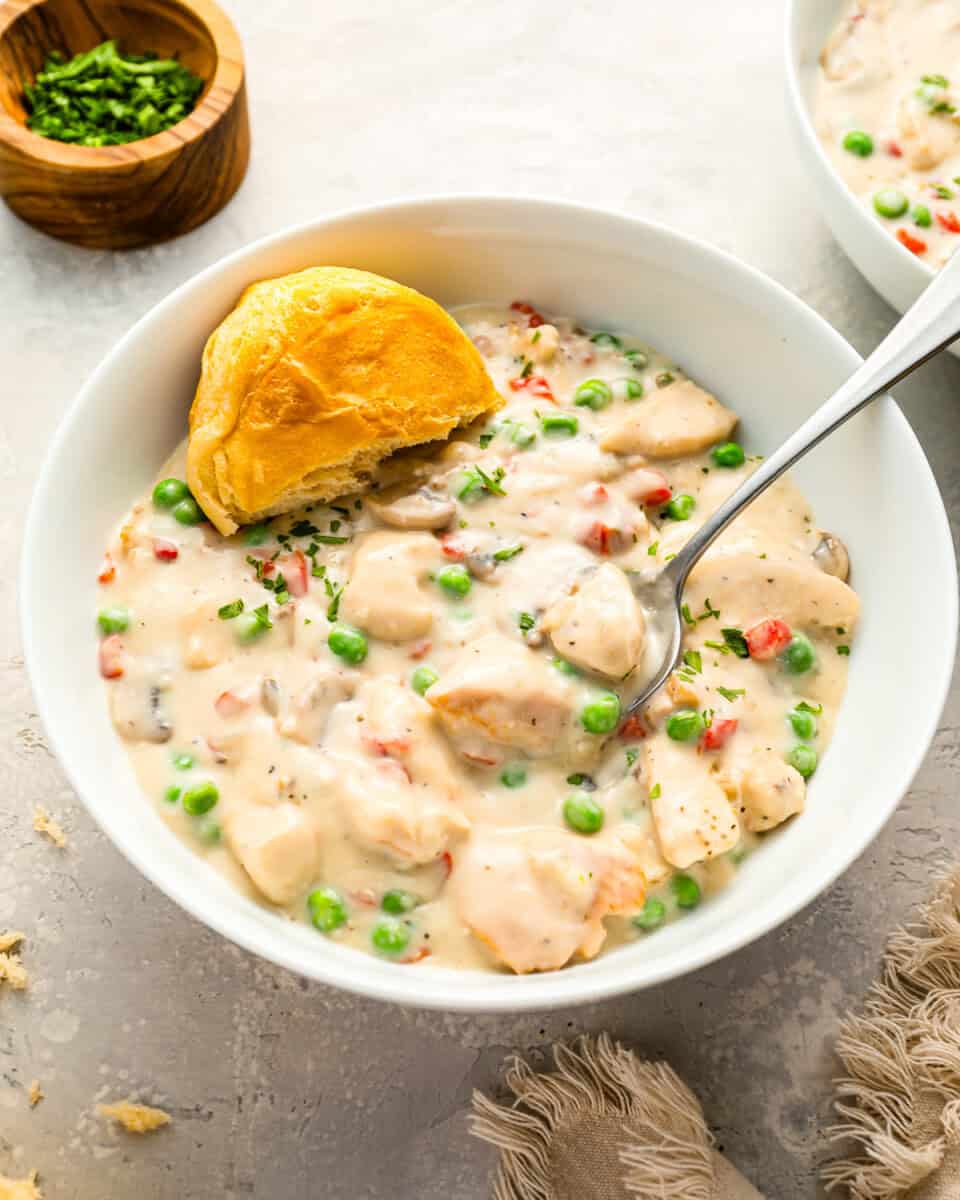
x=931 y=324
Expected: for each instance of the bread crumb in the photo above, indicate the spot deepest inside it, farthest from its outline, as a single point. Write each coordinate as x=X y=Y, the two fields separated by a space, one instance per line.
x=35 y=1093
x=20 y=1189
x=45 y=824
x=12 y=971
x=135 y=1118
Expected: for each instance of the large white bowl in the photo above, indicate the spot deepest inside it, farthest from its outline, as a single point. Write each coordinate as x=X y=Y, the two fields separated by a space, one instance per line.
x=763 y=351
x=897 y=274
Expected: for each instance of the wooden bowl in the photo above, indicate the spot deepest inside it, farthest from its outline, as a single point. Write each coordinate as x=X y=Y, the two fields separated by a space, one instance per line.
x=141 y=192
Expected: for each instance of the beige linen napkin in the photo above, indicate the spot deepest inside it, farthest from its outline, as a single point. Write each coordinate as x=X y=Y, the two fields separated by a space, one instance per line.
x=605 y=1125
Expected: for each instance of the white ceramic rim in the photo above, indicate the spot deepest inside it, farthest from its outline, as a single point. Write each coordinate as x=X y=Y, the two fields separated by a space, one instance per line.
x=451 y=991
x=882 y=243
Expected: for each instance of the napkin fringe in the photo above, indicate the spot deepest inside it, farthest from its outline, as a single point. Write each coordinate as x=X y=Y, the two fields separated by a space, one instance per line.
x=666 y=1152
x=898 y=1100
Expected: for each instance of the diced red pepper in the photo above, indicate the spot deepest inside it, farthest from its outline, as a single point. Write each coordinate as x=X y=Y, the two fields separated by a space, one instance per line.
x=229 y=704
x=534 y=319
x=364 y=896
x=949 y=221
x=452 y=547
x=481 y=760
x=293 y=567
x=420 y=649
x=417 y=955
x=536 y=385
x=768 y=639
x=601 y=538
x=914 y=244
x=649 y=486
x=164 y=550
x=894 y=150
x=718 y=734
x=447 y=859
x=633 y=728
x=108 y=570
x=111 y=656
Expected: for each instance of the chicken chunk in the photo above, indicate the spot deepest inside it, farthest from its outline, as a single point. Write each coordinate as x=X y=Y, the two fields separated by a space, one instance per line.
x=747 y=589
x=692 y=816
x=677 y=420
x=770 y=791
x=307 y=719
x=137 y=702
x=538 y=897
x=927 y=135
x=499 y=692
x=206 y=640
x=277 y=846
x=599 y=626
x=383 y=595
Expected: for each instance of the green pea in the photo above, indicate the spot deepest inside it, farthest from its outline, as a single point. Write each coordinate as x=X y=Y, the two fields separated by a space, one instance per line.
x=188 y=511
x=680 y=507
x=327 y=909
x=686 y=890
x=513 y=775
x=423 y=678
x=208 y=830
x=169 y=492
x=114 y=619
x=802 y=724
x=799 y=656
x=397 y=901
x=730 y=454
x=651 y=916
x=606 y=340
x=200 y=799
x=922 y=216
x=183 y=761
x=890 y=202
x=593 y=393
x=684 y=725
x=348 y=643
x=521 y=435
x=256 y=535
x=559 y=424
x=627 y=389
x=582 y=813
x=455 y=579
x=637 y=359
x=172 y=794
x=390 y=936
x=602 y=714
x=859 y=143
x=803 y=759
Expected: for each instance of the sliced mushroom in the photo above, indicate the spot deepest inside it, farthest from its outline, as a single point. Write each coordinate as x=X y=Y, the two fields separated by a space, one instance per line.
x=422 y=509
x=831 y=557
x=137 y=709
x=271 y=696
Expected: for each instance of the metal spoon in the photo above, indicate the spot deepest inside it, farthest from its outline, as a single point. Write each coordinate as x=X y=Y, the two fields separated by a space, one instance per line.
x=929 y=326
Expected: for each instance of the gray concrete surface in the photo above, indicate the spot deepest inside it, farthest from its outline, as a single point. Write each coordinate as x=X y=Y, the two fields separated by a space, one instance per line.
x=285 y=1089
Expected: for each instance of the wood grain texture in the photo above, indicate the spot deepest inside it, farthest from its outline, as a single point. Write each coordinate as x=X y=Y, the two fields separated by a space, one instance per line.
x=141 y=192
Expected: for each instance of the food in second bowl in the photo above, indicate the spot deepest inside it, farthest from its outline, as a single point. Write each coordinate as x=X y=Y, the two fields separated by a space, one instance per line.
x=399 y=716
x=887 y=109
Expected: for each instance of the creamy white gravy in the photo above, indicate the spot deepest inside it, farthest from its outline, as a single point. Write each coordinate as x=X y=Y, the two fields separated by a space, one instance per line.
x=887 y=109
x=479 y=800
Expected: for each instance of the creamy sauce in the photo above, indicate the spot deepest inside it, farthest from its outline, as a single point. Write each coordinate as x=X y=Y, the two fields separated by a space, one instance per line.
x=466 y=761
x=891 y=71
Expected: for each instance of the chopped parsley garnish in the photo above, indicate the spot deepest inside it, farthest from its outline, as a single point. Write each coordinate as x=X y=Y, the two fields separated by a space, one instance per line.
x=844 y=650
x=709 y=611
x=507 y=553
x=731 y=693
x=687 y=615
x=816 y=709
x=492 y=482
x=632 y=754
x=475 y=480
x=257 y=564
x=693 y=660
x=721 y=646
x=486 y=438
x=653 y=548
x=736 y=642
x=527 y=369
x=334 y=592
x=233 y=609
x=329 y=539
x=526 y=621
x=262 y=617
x=664 y=379
x=303 y=529
x=655 y=792
x=344 y=512
x=944 y=193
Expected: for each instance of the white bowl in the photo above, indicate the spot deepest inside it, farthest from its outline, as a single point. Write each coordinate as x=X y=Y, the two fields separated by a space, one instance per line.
x=897 y=274
x=762 y=350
